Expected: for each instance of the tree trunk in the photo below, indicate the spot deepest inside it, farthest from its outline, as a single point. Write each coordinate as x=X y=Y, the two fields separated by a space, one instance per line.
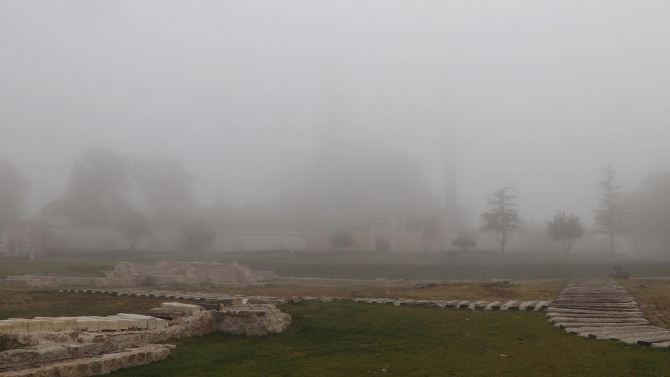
x=612 y=242
x=504 y=240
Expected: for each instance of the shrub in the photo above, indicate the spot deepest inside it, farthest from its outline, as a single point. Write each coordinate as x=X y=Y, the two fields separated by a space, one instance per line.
x=619 y=272
x=9 y=342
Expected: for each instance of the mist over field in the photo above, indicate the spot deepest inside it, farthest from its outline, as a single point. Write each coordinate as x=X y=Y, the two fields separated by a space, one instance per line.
x=271 y=116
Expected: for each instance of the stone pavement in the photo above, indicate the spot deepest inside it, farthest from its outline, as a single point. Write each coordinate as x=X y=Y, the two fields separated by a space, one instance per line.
x=602 y=309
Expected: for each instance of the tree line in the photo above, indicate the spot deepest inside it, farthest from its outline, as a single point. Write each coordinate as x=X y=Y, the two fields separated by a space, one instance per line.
x=643 y=216
x=107 y=189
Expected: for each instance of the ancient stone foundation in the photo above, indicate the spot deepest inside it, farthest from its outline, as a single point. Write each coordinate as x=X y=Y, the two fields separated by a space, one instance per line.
x=163 y=273
x=105 y=346
x=99 y=365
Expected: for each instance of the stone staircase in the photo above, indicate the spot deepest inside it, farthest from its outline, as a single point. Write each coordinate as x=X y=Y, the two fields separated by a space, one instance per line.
x=602 y=309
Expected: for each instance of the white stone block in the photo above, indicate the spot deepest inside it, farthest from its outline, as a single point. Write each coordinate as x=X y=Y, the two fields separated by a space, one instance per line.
x=47 y=325
x=59 y=325
x=70 y=323
x=33 y=325
x=123 y=323
x=92 y=325
x=82 y=323
x=5 y=328
x=19 y=326
x=140 y=321
x=190 y=308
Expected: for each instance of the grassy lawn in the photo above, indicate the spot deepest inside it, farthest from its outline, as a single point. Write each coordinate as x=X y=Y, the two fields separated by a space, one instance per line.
x=349 y=339
x=354 y=339
x=653 y=297
x=73 y=266
x=522 y=290
x=349 y=265
x=17 y=303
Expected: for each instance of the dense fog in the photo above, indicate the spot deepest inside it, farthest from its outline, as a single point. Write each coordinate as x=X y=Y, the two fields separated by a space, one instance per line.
x=265 y=115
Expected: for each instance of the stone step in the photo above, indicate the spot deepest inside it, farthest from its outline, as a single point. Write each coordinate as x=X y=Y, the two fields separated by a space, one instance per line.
x=598 y=320
x=663 y=336
x=606 y=330
x=551 y=311
x=567 y=325
x=625 y=335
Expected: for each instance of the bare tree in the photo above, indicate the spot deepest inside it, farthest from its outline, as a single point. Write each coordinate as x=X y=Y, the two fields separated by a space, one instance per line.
x=95 y=195
x=135 y=226
x=198 y=236
x=464 y=243
x=341 y=240
x=166 y=187
x=503 y=218
x=609 y=217
x=565 y=229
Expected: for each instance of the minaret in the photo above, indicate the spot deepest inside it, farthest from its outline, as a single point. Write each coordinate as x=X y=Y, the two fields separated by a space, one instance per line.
x=452 y=210
x=331 y=103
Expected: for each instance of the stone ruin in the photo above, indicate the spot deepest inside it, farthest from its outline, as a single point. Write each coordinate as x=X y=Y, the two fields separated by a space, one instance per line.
x=163 y=273
x=88 y=346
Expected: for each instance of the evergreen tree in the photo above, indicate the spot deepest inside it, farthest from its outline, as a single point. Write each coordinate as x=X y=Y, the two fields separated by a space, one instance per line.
x=609 y=217
x=503 y=218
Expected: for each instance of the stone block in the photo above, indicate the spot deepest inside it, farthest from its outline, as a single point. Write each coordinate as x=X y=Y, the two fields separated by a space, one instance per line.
x=59 y=325
x=82 y=324
x=495 y=305
x=5 y=328
x=70 y=323
x=19 y=326
x=102 y=323
x=124 y=324
x=92 y=325
x=152 y=323
x=140 y=322
x=192 y=309
x=47 y=325
x=112 y=324
x=33 y=325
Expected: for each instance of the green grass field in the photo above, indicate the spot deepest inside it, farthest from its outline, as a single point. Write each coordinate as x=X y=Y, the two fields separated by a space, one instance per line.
x=348 y=265
x=349 y=339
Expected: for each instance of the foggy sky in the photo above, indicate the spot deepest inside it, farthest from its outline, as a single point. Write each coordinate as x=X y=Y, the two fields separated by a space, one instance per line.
x=540 y=95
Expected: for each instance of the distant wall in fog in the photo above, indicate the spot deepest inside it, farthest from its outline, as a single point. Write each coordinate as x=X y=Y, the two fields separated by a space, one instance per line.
x=170 y=241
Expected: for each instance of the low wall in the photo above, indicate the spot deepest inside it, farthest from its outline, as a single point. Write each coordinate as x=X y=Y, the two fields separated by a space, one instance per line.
x=163 y=273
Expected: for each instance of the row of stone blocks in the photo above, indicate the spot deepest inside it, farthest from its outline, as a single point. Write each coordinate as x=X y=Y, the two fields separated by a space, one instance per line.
x=186 y=296
x=117 y=322
x=98 y=365
x=463 y=304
